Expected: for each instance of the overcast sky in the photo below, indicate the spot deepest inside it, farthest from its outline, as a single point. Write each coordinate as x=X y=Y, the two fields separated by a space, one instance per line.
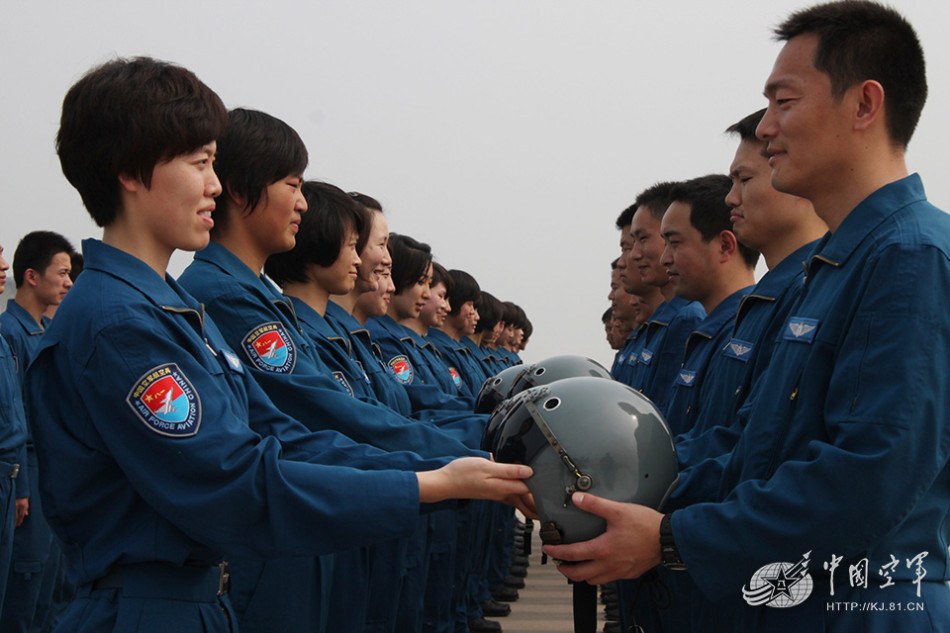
x=507 y=134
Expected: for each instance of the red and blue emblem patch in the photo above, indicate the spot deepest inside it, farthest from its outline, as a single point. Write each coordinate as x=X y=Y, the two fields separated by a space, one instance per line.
x=456 y=378
x=165 y=400
x=269 y=348
x=402 y=369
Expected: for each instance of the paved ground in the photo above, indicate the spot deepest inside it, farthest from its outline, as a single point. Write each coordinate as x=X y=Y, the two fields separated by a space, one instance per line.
x=545 y=605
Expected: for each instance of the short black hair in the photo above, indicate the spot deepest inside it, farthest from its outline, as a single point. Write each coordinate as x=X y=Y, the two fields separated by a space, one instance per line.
x=746 y=126
x=607 y=315
x=371 y=205
x=464 y=289
x=36 y=250
x=626 y=216
x=78 y=264
x=411 y=259
x=255 y=150
x=441 y=276
x=127 y=116
x=860 y=40
x=489 y=312
x=330 y=215
x=709 y=214
x=656 y=198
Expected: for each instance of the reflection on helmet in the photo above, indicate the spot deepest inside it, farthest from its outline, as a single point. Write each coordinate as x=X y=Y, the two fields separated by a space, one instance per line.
x=557 y=368
x=587 y=434
x=496 y=389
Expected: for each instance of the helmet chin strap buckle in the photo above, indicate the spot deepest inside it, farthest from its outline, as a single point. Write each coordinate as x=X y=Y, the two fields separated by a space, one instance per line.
x=550 y=535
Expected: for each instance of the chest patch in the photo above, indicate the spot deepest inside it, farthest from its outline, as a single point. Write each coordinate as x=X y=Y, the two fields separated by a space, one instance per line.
x=401 y=368
x=801 y=329
x=646 y=356
x=270 y=348
x=166 y=402
x=686 y=378
x=739 y=349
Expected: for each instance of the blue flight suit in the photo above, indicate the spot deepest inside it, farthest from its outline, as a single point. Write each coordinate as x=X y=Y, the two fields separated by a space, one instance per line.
x=688 y=393
x=161 y=455
x=429 y=385
x=627 y=358
x=733 y=370
x=845 y=452
x=258 y=320
x=663 y=348
x=36 y=557
x=441 y=539
x=13 y=475
x=458 y=356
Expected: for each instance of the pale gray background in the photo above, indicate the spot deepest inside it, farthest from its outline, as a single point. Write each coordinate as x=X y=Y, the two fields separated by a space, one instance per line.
x=506 y=133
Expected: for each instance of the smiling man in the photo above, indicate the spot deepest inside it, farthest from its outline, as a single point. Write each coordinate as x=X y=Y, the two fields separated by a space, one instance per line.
x=707 y=264
x=843 y=464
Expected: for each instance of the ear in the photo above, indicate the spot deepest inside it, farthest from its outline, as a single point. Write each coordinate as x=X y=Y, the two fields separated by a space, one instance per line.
x=31 y=277
x=728 y=246
x=239 y=202
x=870 y=95
x=129 y=183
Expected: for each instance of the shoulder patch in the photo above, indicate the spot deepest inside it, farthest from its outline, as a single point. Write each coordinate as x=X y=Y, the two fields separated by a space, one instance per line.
x=166 y=402
x=401 y=368
x=270 y=348
x=340 y=378
x=456 y=377
x=738 y=349
x=801 y=329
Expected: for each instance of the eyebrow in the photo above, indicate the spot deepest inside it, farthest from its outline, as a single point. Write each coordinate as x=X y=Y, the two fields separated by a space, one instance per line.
x=774 y=85
x=668 y=234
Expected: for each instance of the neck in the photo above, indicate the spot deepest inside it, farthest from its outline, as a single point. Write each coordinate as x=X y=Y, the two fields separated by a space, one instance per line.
x=806 y=232
x=454 y=332
x=29 y=302
x=741 y=278
x=125 y=237
x=667 y=291
x=348 y=303
x=477 y=337
x=237 y=243
x=414 y=324
x=309 y=293
x=836 y=200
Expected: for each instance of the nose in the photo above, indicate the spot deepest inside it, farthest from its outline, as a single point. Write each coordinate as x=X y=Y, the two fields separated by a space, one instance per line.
x=300 y=204
x=766 y=128
x=213 y=186
x=666 y=259
x=733 y=199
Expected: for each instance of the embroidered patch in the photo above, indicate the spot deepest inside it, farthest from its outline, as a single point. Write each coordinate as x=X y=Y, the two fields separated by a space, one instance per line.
x=739 y=349
x=270 y=348
x=801 y=329
x=456 y=378
x=401 y=368
x=686 y=378
x=621 y=359
x=233 y=362
x=646 y=356
x=340 y=378
x=166 y=402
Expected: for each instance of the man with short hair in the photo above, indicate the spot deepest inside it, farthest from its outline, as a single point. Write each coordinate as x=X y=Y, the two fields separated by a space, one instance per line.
x=665 y=333
x=41 y=269
x=707 y=264
x=839 y=483
x=14 y=485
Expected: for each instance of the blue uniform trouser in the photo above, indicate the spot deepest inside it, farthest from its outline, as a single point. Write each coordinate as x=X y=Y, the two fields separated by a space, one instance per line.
x=348 y=602
x=32 y=546
x=153 y=598
x=7 y=522
x=410 y=614
x=387 y=568
x=438 y=611
x=288 y=594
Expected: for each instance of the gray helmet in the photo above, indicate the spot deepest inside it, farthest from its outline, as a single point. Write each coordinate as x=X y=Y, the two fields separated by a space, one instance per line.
x=496 y=389
x=557 y=368
x=588 y=435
